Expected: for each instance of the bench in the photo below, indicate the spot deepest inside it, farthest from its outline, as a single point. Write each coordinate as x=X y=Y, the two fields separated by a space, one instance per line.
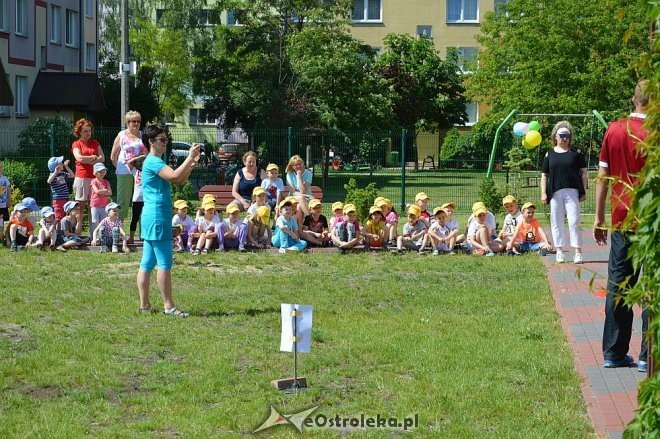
x=223 y=196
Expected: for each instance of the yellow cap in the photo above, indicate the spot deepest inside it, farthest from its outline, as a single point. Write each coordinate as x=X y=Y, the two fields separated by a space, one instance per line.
x=479 y=210
x=349 y=208
x=438 y=210
x=271 y=167
x=180 y=204
x=414 y=210
x=264 y=213
x=384 y=202
x=232 y=208
x=208 y=197
x=291 y=199
x=378 y=200
x=450 y=204
x=478 y=205
x=529 y=204
x=257 y=191
x=421 y=196
x=374 y=209
x=314 y=203
x=337 y=205
x=208 y=205
x=285 y=202
x=509 y=199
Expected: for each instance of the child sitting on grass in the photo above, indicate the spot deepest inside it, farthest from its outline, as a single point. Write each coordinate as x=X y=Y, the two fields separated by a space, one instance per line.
x=422 y=201
x=258 y=200
x=233 y=231
x=511 y=220
x=315 y=226
x=391 y=220
x=413 y=234
x=182 y=224
x=20 y=228
x=529 y=235
x=479 y=238
x=208 y=228
x=110 y=231
x=259 y=233
x=374 y=229
x=346 y=234
x=439 y=234
x=337 y=214
x=285 y=236
x=48 y=232
x=68 y=226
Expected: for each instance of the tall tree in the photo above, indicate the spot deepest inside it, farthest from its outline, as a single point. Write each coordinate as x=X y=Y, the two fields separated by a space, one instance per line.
x=428 y=90
x=558 y=56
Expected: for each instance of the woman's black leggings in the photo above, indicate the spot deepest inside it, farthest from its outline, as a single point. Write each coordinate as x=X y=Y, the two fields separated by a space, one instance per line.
x=137 y=211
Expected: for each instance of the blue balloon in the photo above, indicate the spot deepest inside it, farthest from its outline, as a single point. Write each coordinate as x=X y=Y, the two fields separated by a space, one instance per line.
x=520 y=128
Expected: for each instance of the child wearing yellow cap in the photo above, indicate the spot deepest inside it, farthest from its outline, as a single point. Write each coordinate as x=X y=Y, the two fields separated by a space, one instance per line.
x=439 y=235
x=391 y=220
x=259 y=233
x=315 y=226
x=422 y=201
x=207 y=228
x=285 y=236
x=479 y=238
x=233 y=231
x=273 y=185
x=346 y=234
x=529 y=235
x=337 y=214
x=413 y=232
x=183 y=226
x=258 y=200
x=511 y=220
x=374 y=228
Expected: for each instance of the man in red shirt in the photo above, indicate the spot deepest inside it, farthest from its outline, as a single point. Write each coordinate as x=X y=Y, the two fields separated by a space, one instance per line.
x=621 y=161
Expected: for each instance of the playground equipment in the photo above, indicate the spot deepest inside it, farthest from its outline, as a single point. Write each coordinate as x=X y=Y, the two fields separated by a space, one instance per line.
x=595 y=115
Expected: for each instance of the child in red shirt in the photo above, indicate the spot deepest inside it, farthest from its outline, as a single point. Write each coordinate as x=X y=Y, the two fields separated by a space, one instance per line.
x=529 y=235
x=21 y=229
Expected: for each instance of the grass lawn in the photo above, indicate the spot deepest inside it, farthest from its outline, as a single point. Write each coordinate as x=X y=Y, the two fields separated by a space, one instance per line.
x=471 y=345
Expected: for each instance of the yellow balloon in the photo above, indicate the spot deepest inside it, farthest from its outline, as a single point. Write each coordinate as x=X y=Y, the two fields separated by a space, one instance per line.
x=526 y=145
x=533 y=137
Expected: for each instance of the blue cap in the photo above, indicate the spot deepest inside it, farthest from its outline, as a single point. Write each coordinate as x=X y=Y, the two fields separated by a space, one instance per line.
x=54 y=161
x=99 y=167
x=31 y=204
x=112 y=205
x=19 y=206
x=69 y=205
x=47 y=211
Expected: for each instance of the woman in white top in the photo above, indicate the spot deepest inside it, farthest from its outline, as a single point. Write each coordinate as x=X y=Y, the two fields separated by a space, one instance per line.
x=127 y=145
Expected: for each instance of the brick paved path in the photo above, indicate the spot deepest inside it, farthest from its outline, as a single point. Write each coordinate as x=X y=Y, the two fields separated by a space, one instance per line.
x=610 y=394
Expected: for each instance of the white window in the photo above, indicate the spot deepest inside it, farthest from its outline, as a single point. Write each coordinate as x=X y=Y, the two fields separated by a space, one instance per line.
x=199 y=116
x=71 y=28
x=89 y=8
x=4 y=15
x=55 y=24
x=232 y=17
x=5 y=110
x=462 y=11
x=467 y=59
x=425 y=31
x=22 y=17
x=472 y=110
x=90 y=56
x=367 y=11
x=21 y=98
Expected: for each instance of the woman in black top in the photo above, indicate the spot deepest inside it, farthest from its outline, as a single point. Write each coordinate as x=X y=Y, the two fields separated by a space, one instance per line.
x=564 y=180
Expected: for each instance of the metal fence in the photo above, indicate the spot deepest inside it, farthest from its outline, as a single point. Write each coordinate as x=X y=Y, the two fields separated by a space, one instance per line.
x=400 y=163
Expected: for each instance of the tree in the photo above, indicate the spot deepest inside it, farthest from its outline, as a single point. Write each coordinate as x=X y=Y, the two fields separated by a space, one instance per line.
x=558 y=56
x=428 y=90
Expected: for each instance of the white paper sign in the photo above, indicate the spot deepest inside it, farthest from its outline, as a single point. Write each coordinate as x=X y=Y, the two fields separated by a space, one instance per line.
x=304 y=327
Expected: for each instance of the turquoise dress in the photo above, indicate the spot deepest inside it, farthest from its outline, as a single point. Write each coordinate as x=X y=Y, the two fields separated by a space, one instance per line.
x=156 y=219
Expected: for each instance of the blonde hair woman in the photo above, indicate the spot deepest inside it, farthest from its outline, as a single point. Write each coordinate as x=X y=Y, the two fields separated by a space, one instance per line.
x=127 y=145
x=299 y=180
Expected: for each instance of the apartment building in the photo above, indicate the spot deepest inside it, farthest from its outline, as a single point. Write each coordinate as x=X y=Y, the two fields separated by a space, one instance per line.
x=451 y=23
x=48 y=60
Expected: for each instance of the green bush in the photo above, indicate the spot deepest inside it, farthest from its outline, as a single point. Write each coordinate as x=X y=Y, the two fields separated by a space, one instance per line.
x=363 y=199
x=20 y=174
x=491 y=195
x=183 y=192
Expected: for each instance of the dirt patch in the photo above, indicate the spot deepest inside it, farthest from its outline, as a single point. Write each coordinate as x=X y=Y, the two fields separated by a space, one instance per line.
x=13 y=332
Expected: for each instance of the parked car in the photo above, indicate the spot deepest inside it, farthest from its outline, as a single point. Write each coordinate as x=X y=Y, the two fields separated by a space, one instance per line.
x=180 y=151
x=231 y=151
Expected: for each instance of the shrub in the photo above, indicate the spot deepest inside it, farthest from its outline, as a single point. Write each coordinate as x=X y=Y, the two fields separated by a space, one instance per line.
x=35 y=138
x=20 y=174
x=183 y=192
x=491 y=195
x=363 y=199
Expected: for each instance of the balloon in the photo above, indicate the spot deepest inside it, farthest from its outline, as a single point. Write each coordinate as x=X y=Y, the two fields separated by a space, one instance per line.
x=526 y=145
x=534 y=126
x=520 y=129
x=533 y=137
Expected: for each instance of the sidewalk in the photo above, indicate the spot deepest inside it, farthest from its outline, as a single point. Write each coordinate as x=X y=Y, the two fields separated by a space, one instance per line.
x=610 y=394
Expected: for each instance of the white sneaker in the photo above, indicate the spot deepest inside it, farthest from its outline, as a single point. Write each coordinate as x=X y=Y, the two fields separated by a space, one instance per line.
x=115 y=249
x=578 y=258
x=282 y=250
x=435 y=252
x=559 y=258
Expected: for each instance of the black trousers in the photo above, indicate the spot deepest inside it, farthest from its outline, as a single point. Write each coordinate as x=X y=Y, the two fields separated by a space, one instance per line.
x=621 y=276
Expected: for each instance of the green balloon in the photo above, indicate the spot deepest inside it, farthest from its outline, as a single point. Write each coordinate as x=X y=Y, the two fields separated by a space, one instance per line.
x=534 y=126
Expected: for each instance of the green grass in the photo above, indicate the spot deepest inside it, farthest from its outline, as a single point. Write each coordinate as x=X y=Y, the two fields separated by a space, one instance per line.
x=472 y=345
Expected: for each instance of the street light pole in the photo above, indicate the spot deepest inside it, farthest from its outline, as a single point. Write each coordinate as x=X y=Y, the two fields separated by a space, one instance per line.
x=124 y=60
